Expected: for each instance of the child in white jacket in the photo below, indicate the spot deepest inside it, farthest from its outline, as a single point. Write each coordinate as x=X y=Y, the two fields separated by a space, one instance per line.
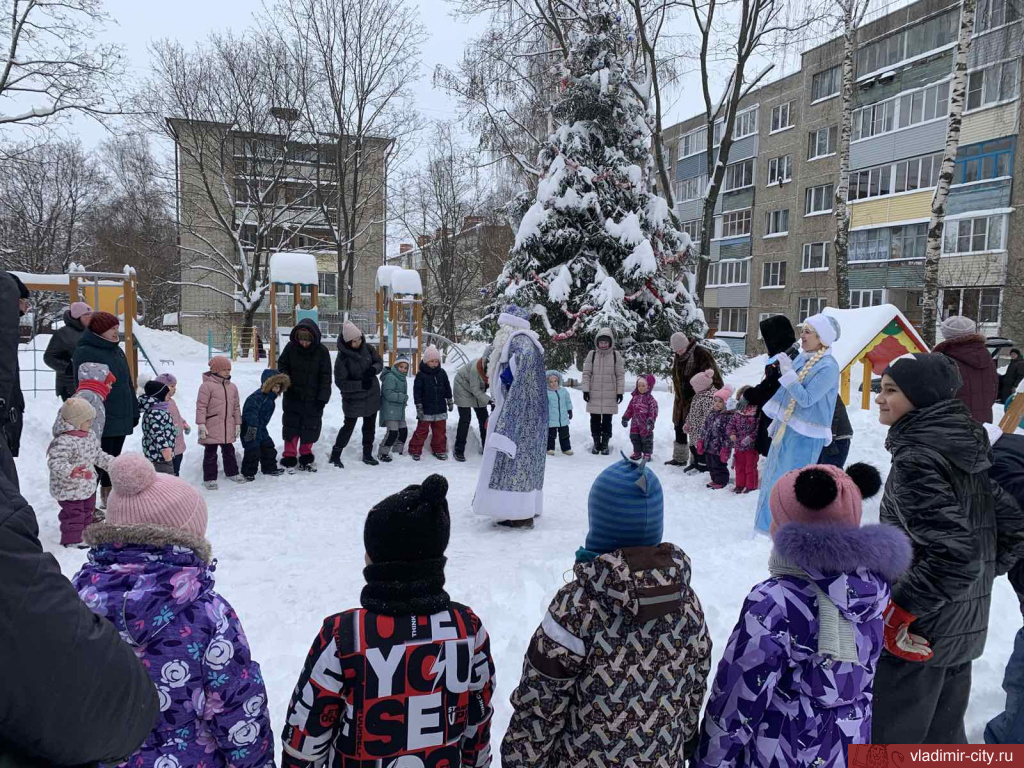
x=71 y=457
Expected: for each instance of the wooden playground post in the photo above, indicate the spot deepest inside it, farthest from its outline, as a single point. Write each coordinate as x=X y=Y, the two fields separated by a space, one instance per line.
x=417 y=316
x=297 y=296
x=130 y=350
x=844 y=386
x=1013 y=415
x=865 y=387
x=272 y=356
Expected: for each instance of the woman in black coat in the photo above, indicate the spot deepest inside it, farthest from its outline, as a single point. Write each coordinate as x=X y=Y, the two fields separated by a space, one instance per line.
x=62 y=346
x=939 y=493
x=355 y=373
x=308 y=364
x=778 y=335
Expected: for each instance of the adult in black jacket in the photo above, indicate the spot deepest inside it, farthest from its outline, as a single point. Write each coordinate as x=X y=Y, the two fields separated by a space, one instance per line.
x=1014 y=375
x=308 y=364
x=940 y=494
x=62 y=346
x=100 y=343
x=838 y=451
x=72 y=691
x=355 y=373
x=778 y=335
x=13 y=304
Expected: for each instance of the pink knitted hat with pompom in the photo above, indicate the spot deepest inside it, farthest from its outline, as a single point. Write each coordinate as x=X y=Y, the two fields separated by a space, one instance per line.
x=141 y=496
x=431 y=354
x=702 y=381
x=724 y=393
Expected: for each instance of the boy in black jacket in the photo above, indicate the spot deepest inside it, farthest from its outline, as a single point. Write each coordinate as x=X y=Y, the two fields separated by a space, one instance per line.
x=432 y=395
x=307 y=363
x=257 y=444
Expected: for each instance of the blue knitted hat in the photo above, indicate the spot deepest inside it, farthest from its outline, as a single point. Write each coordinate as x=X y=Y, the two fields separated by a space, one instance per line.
x=626 y=508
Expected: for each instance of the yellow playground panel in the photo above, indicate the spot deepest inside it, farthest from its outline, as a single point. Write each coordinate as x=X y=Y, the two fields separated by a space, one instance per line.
x=871 y=338
x=113 y=292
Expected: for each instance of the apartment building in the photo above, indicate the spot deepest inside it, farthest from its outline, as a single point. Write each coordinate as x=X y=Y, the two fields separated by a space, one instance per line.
x=295 y=178
x=774 y=224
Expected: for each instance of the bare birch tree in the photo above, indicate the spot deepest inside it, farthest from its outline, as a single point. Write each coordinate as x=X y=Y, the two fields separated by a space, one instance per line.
x=241 y=193
x=52 y=63
x=852 y=16
x=957 y=100
x=355 y=63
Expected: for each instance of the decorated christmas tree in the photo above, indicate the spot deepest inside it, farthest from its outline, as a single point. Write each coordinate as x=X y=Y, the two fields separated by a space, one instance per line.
x=596 y=248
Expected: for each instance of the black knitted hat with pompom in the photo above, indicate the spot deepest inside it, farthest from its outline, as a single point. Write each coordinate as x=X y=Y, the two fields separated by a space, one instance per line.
x=410 y=525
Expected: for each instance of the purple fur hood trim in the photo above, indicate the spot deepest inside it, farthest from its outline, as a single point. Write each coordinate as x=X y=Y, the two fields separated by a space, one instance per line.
x=882 y=549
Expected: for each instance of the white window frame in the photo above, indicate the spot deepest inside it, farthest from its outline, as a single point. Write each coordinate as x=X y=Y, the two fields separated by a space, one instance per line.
x=692 y=228
x=780 y=111
x=698 y=183
x=986 y=75
x=982 y=17
x=889 y=238
x=953 y=234
x=804 y=305
x=737 y=322
x=857 y=297
x=745 y=120
x=773 y=275
x=833 y=73
x=774 y=221
x=831 y=133
x=735 y=221
x=809 y=198
x=321 y=287
x=900 y=39
x=734 y=167
x=807 y=257
x=960 y=304
x=728 y=272
x=786 y=162
x=692 y=137
x=903 y=103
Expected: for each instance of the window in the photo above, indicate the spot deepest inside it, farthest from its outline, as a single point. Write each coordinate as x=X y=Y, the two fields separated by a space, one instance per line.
x=728 y=272
x=992 y=84
x=736 y=223
x=979 y=162
x=929 y=35
x=328 y=283
x=694 y=142
x=810 y=306
x=773 y=274
x=979 y=304
x=717 y=138
x=818 y=199
x=984 y=233
x=746 y=124
x=692 y=228
x=994 y=13
x=780 y=169
x=873 y=119
x=825 y=84
x=816 y=257
x=870 y=297
x=917 y=173
x=776 y=222
x=732 y=320
x=884 y=243
x=691 y=189
x=822 y=142
x=739 y=175
x=872 y=182
x=901 y=111
x=782 y=117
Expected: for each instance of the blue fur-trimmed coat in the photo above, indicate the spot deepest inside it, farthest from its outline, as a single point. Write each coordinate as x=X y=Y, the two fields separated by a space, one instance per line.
x=815 y=398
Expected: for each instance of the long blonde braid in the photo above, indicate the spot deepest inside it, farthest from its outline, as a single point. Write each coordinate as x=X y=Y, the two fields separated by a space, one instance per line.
x=822 y=351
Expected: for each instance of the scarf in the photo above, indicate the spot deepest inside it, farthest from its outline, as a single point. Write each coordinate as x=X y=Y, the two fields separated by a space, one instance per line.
x=101 y=388
x=403 y=589
x=835 y=632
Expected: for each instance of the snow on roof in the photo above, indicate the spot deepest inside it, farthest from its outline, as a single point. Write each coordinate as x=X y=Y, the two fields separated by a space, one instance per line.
x=58 y=281
x=294 y=268
x=406 y=281
x=383 y=279
x=860 y=326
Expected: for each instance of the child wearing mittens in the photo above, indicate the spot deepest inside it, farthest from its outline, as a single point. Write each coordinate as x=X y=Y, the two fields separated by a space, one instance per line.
x=432 y=395
x=219 y=417
x=700 y=406
x=714 y=441
x=743 y=438
x=643 y=412
x=181 y=427
x=150 y=573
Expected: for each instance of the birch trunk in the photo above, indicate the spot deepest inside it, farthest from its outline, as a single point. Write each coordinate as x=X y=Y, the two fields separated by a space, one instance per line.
x=933 y=253
x=841 y=246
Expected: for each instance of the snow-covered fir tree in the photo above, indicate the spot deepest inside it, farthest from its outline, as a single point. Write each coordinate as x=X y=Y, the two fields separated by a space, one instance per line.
x=596 y=248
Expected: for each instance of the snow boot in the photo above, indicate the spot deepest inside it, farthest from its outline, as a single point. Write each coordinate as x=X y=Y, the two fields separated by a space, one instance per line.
x=635 y=456
x=605 y=450
x=567 y=453
x=369 y=460
x=524 y=524
x=335 y=459
x=210 y=485
x=290 y=464
x=249 y=478
x=441 y=456
x=307 y=463
x=236 y=479
x=460 y=457
x=551 y=453
x=385 y=457
x=415 y=456
x=275 y=472
x=78 y=545
x=596 y=450
x=679 y=455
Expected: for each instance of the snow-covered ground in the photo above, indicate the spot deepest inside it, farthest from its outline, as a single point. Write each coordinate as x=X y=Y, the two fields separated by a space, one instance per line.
x=290 y=549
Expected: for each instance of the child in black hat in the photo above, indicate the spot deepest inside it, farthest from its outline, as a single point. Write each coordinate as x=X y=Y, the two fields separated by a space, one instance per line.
x=409 y=661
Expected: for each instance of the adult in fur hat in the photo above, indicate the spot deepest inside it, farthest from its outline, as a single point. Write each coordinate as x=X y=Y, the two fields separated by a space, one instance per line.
x=689 y=359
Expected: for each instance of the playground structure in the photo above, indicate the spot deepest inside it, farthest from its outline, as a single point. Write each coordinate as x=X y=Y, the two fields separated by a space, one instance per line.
x=289 y=268
x=399 y=313
x=113 y=292
x=238 y=343
x=872 y=337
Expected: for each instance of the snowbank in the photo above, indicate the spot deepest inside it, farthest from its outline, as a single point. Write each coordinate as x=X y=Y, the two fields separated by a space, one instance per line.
x=294 y=268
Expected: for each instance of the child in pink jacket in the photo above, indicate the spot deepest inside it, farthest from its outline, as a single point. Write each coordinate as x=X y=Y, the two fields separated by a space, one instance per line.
x=643 y=412
x=181 y=427
x=743 y=437
x=219 y=418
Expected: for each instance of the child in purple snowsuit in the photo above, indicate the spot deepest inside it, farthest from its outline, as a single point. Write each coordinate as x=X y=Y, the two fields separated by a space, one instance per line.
x=714 y=440
x=150 y=573
x=743 y=437
x=794 y=686
x=643 y=412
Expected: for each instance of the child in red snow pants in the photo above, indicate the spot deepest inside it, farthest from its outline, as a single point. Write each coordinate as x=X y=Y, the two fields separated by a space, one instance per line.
x=745 y=463
x=75 y=517
x=438 y=439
